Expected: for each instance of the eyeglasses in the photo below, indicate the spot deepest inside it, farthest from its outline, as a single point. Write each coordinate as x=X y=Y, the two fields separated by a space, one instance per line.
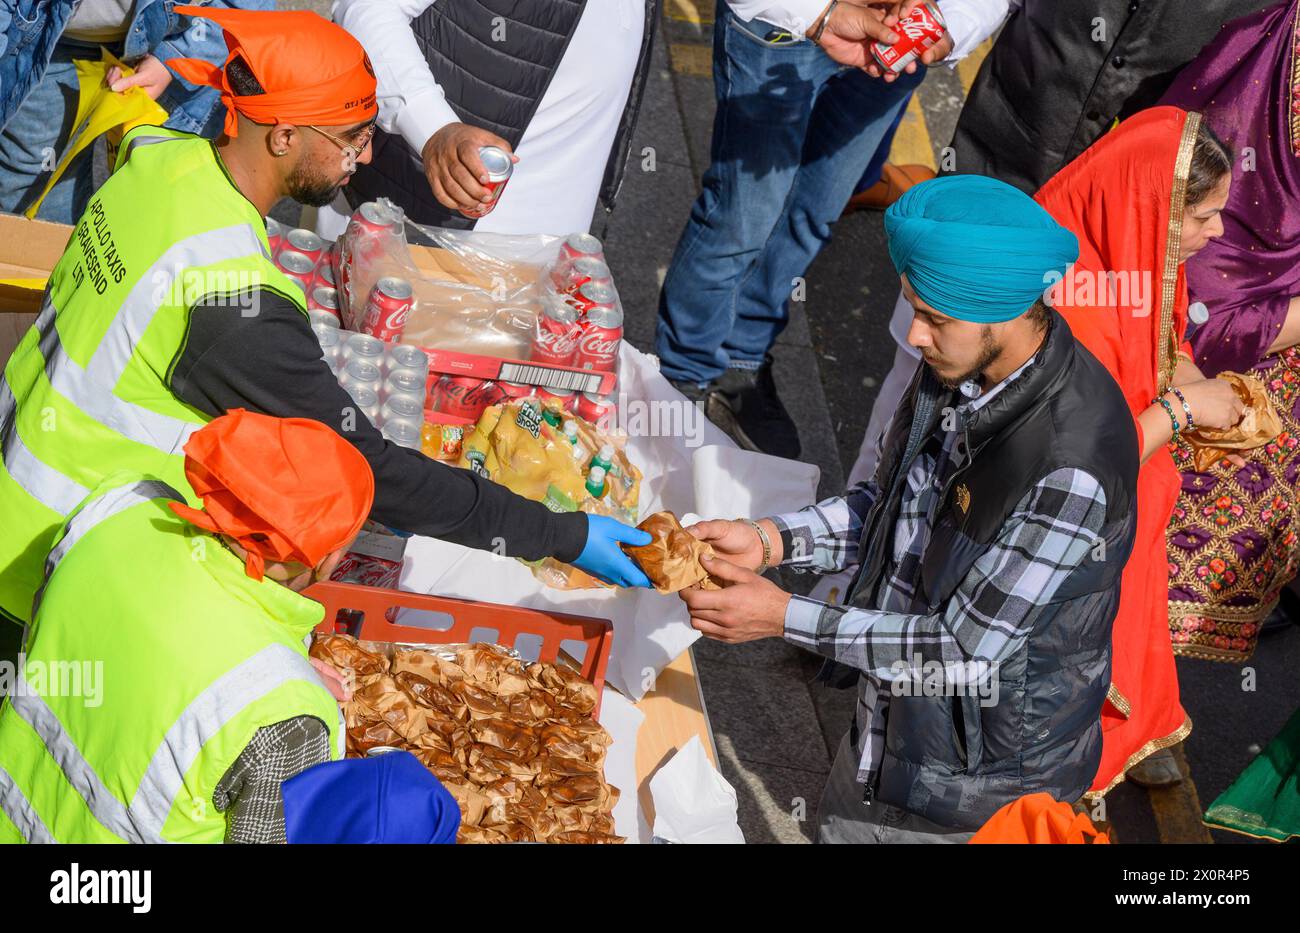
x=352 y=149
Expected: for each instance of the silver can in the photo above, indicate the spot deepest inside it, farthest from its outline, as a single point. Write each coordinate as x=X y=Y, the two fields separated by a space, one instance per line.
x=305 y=242
x=403 y=432
x=324 y=298
x=405 y=382
x=405 y=356
x=274 y=229
x=605 y=315
x=324 y=318
x=402 y=408
x=581 y=244
x=381 y=750
x=364 y=347
x=361 y=374
x=296 y=266
x=325 y=271
x=328 y=337
x=593 y=270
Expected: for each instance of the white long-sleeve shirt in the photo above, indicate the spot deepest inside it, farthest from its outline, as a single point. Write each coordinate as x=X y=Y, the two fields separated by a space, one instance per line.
x=565 y=147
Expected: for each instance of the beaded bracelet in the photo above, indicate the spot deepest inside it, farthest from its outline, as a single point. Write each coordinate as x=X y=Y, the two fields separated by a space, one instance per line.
x=1187 y=409
x=1169 y=410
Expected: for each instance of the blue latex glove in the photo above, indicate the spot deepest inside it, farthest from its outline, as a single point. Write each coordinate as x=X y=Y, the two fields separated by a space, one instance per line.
x=602 y=557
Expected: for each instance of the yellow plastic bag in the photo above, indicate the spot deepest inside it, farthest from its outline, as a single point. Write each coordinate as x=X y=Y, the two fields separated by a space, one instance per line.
x=99 y=111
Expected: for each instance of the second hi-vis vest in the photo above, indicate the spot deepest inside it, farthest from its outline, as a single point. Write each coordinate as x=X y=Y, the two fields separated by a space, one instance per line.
x=86 y=393
x=152 y=661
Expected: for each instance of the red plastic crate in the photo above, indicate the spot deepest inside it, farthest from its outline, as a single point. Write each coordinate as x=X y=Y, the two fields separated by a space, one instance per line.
x=509 y=622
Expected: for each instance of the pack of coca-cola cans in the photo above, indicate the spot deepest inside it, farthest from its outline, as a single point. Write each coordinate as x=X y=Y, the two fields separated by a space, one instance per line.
x=388 y=382
x=581 y=318
x=308 y=262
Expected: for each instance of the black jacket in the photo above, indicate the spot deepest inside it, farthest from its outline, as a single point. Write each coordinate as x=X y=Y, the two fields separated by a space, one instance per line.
x=949 y=758
x=1062 y=72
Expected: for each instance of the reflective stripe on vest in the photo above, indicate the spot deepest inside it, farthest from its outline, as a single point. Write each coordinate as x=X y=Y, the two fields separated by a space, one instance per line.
x=43 y=483
x=16 y=807
x=91 y=389
x=107 y=505
x=142 y=140
x=206 y=715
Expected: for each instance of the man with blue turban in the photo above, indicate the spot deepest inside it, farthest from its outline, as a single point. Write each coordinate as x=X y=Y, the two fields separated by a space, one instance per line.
x=988 y=544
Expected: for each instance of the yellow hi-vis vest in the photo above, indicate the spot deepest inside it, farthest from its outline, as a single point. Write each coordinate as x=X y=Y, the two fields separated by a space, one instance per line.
x=152 y=661
x=86 y=392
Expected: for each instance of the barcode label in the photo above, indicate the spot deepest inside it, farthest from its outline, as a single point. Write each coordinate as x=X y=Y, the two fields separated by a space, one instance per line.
x=551 y=378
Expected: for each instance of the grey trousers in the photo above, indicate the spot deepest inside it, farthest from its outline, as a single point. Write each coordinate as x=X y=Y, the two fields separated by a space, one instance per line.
x=842 y=817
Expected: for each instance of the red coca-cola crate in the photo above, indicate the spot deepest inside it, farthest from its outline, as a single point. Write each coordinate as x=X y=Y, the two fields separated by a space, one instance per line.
x=469 y=620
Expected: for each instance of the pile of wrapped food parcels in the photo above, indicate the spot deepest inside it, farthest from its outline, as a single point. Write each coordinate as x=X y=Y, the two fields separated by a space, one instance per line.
x=515 y=743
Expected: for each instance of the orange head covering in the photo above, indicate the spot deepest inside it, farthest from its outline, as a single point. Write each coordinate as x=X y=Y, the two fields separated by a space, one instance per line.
x=1038 y=819
x=313 y=71
x=287 y=489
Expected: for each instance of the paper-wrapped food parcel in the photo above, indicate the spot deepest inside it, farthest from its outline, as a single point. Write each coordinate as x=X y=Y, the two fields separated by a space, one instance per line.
x=514 y=742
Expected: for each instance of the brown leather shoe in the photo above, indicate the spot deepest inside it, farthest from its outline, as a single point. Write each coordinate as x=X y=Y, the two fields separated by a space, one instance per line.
x=894 y=180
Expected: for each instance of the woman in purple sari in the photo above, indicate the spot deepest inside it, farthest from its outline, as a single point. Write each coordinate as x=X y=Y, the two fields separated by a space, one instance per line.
x=1234 y=538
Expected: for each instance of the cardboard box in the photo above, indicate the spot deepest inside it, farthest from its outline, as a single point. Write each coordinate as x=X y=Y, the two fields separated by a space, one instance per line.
x=29 y=249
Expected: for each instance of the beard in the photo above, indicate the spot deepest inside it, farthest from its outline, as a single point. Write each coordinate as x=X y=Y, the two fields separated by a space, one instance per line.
x=990 y=350
x=312 y=190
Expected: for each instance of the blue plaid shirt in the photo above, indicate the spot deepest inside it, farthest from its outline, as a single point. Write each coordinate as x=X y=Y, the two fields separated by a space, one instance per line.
x=1050 y=532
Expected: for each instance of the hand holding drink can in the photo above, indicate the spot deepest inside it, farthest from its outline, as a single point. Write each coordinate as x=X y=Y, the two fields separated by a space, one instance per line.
x=920 y=30
x=499 y=167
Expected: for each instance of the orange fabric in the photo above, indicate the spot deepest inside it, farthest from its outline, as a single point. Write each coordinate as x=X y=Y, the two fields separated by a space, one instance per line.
x=313 y=71
x=1039 y=820
x=1115 y=197
x=287 y=489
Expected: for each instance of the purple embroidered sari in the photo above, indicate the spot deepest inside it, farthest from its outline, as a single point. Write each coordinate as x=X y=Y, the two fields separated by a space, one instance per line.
x=1233 y=539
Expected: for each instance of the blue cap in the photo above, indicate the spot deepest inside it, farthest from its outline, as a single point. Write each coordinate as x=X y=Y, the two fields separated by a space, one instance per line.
x=390 y=798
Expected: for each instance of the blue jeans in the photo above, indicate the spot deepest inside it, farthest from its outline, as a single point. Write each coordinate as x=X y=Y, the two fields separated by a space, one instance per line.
x=793 y=134
x=33 y=140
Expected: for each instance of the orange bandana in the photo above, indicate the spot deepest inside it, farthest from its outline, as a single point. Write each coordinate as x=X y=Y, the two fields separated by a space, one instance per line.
x=313 y=71
x=287 y=489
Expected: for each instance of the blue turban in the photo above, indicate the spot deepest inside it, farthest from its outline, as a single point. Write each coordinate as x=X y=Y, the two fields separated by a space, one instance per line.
x=390 y=798
x=976 y=248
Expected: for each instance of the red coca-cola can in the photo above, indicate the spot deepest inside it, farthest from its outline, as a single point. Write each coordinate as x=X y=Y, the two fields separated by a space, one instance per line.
x=324 y=299
x=593 y=407
x=919 y=30
x=516 y=390
x=499 y=167
x=305 y=242
x=598 y=345
x=584 y=270
x=556 y=339
x=464 y=396
x=296 y=266
x=592 y=295
x=372 y=219
x=274 y=234
x=325 y=269
x=578 y=245
x=389 y=304
x=566 y=398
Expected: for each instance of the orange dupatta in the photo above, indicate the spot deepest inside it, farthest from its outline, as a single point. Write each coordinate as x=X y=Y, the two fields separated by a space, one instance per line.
x=1126 y=301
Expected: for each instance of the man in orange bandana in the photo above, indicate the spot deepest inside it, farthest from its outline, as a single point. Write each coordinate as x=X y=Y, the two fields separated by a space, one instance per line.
x=166 y=311
x=300 y=103
x=196 y=621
